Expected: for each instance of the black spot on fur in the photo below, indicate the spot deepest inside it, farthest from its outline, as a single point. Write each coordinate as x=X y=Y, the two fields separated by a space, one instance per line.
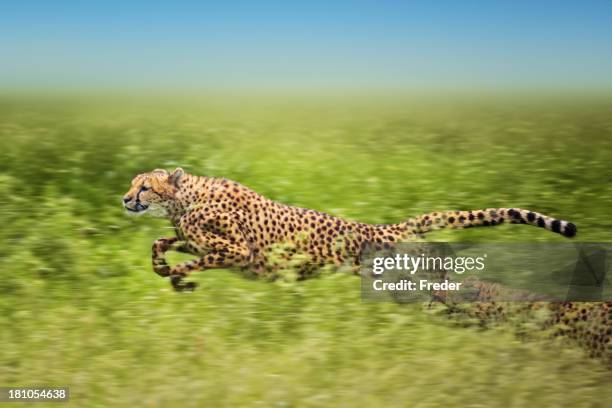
x=530 y=217
x=451 y=219
x=555 y=226
x=541 y=222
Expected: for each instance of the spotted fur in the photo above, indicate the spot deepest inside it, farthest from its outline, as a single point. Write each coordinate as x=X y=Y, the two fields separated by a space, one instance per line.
x=229 y=225
x=587 y=324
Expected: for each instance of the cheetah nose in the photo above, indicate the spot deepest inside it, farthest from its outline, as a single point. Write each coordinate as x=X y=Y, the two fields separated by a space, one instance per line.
x=126 y=199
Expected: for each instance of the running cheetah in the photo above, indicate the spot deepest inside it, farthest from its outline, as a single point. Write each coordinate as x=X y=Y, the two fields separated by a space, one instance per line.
x=229 y=225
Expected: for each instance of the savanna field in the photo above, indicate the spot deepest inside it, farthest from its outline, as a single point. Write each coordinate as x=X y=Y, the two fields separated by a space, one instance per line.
x=80 y=305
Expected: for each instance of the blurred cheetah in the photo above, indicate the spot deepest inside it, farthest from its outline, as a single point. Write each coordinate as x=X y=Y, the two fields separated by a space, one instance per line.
x=229 y=225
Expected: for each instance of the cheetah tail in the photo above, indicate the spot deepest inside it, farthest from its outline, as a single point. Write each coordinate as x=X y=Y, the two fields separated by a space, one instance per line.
x=490 y=216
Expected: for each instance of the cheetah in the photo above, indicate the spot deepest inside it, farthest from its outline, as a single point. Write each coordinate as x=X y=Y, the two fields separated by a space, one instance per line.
x=227 y=225
x=585 y=324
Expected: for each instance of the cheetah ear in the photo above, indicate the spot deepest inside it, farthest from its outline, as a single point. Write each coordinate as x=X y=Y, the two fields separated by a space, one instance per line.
x=160 y=171
x=175 y=177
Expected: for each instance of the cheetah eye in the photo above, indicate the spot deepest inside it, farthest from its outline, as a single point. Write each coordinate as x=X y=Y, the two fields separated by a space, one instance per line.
x=143 y=188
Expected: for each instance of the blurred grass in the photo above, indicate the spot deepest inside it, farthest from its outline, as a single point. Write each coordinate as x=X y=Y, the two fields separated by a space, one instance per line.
x=80 y=306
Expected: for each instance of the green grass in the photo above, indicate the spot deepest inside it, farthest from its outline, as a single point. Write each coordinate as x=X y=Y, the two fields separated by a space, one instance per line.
x=80 y=306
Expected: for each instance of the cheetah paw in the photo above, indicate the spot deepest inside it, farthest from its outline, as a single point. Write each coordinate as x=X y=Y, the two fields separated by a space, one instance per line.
x=181 y=286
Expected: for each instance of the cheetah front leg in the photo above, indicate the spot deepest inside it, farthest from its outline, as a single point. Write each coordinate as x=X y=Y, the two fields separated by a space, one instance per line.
x=219 y=242
x=221 y=253
x=214 y=259
x=160 y=247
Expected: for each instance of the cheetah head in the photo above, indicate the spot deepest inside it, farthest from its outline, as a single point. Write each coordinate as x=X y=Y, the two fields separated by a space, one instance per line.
x=153 y=192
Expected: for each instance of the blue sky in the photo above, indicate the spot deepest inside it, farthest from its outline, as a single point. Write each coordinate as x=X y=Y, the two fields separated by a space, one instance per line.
x=186 y=45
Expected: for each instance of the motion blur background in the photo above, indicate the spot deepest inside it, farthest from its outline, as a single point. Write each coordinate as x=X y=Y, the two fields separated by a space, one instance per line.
x=374 y=111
